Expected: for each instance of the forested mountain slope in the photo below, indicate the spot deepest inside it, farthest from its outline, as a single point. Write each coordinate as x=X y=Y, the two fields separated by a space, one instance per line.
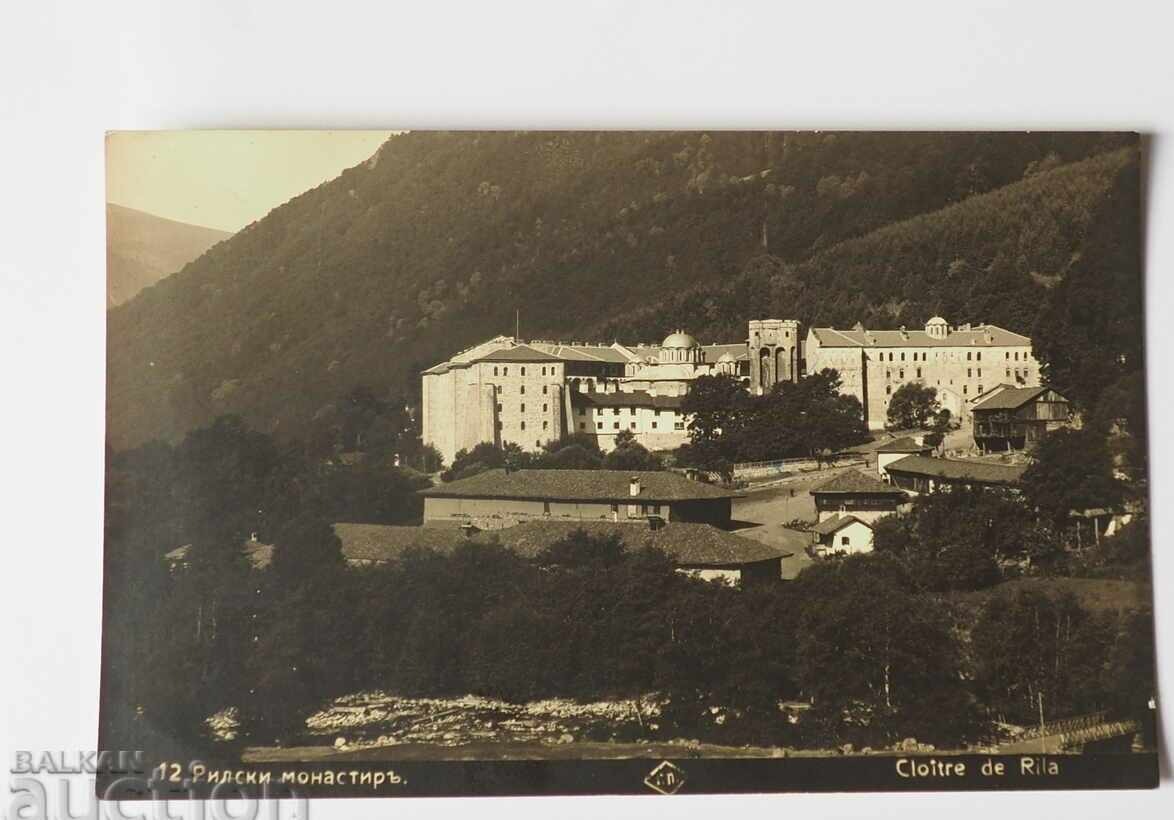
x=991 y=258
x=434 y=242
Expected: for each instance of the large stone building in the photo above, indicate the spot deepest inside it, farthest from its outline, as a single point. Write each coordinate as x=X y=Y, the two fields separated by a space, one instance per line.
x=962 y=363
x=500 y=499
x=529 y=393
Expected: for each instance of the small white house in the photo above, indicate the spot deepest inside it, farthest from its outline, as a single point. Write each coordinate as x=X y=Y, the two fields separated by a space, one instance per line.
x=845 y=534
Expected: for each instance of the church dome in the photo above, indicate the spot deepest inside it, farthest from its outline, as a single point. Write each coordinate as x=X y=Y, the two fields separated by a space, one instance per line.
x=937 y=328
x=680 y=339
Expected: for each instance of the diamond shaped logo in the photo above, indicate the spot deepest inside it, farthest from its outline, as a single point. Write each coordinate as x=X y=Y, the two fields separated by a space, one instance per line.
x=665 y=778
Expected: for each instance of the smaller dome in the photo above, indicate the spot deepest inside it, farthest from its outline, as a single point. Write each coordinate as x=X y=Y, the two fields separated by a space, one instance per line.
x=937 y=320
x=680 y=339
x=726 y=357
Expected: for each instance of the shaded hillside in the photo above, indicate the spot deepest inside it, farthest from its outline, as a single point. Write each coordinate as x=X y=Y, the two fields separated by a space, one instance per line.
x=142 y=248
x=990 y=258
x=432 y=244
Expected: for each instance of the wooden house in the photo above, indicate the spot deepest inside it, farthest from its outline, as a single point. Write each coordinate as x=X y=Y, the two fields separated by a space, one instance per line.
x=1016 y=418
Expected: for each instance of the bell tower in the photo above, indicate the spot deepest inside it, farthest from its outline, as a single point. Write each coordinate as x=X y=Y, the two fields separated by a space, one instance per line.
x=773 y=348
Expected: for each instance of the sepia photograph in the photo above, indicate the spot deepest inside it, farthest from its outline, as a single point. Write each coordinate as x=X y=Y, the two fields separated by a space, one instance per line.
x=626 y=462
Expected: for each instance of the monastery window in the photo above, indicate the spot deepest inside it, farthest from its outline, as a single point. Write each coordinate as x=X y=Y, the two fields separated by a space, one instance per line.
x=599 y=425
x=968 y=355
x=544 y=425
x=980 y=390
x=544 y=407
x=888 y=389
x=979 y=375
x=1007 y=354
x=495 y=372
x=680 y=425
x=523 y=425
x=615 y=411
x=499 y=408
x=900 y=374
x=523 y=410
x=505 y=371
x=522 y=390
x=654 y=425
x=615 y=426
x=582 y=425
x=978 y=356
x=1008 y=373
x=919 y=372
x=888 y=374
x=544 y=389
x=523 y=371
x=964 y=390
x=632 y=426
x=1016 y=355
x=902 y=356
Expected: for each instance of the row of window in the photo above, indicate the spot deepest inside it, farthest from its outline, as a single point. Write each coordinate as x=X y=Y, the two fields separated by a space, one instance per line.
x=521 y=389
x=677 y=425
x=522 y=408
x=971 y=355
x=522 y=425
x=505 y=371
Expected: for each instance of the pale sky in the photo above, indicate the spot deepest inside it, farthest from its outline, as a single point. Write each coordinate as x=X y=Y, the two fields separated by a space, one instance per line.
x=226 y=179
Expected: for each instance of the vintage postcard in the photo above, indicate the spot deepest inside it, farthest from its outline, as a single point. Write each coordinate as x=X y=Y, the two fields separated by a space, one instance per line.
x=521 y=463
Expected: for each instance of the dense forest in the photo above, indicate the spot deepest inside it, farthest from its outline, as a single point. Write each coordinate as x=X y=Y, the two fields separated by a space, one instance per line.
x=434 y=242
x=918 y=639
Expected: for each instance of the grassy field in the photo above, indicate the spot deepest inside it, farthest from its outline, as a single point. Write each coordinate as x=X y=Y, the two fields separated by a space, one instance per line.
x=1097 y=594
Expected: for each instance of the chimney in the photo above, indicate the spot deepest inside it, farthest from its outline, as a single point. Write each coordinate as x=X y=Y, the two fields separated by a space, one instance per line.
x=634 y=486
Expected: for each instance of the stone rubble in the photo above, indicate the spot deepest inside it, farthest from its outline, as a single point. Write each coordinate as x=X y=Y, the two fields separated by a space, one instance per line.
x=369 y=719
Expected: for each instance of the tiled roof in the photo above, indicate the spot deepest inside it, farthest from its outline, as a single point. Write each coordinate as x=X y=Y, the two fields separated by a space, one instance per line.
x=714 y=352
x=259 y=555
x=520 y=353
x=635 y=398
x=982 y=472
x=690 y=545
x=905 y=444
x=856 y=482
x=578 y=485
x=582 y=353
x=975 y=337
x=1010 y=398
x=836 y=523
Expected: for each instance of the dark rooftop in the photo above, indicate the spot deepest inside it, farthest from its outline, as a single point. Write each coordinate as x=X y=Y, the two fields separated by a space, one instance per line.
x=982 y=472
x=1010 y=398
x=905 y=444
x=856 y=482
x=690 y=545
x=578 y=485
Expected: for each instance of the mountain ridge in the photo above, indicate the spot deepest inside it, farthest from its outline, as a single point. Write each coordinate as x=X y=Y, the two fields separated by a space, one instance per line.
x=143 y=248
x=432 y=243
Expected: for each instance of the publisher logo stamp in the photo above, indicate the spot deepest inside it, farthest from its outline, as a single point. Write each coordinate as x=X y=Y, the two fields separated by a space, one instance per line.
x=665 y=778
